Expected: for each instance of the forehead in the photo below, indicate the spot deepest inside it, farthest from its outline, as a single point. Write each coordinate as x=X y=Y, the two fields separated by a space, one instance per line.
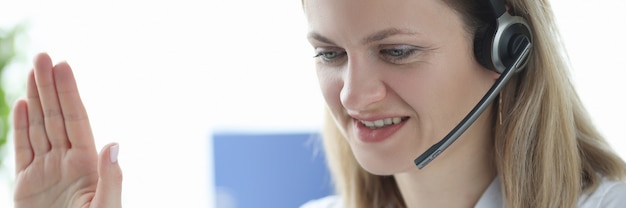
x=356 y=18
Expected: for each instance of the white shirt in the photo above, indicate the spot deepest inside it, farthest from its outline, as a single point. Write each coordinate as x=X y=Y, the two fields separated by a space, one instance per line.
x=609 y=194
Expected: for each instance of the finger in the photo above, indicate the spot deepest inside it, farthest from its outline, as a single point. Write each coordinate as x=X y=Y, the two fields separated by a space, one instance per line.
x=53 y=119
x=23 y=150
x=76 y=119
x=36 y=129
x=109 y=191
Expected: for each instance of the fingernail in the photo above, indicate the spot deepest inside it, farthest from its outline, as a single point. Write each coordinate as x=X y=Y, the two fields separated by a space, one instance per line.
x=113 y=151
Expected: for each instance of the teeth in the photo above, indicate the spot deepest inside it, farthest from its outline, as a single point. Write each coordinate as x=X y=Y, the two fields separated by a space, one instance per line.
x=381 y=123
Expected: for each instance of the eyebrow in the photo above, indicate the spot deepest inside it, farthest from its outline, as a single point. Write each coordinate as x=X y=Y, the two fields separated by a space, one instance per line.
x=377 y=36
x=381 y=35
x=320 y=38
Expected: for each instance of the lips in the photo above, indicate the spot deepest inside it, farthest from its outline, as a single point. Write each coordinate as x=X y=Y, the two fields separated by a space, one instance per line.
x=370 y=130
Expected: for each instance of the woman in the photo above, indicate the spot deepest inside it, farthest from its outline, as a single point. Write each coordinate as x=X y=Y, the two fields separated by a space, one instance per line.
x=399 y=75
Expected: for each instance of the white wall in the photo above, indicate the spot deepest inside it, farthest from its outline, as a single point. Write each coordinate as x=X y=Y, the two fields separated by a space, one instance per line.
x=158 y=76
x=594 y=36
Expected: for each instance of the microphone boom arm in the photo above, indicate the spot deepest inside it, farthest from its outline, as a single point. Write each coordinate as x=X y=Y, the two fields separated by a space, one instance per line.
x=469 y=119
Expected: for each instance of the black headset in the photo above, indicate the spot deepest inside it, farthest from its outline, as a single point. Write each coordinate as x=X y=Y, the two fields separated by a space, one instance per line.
x=497 y=44
x=503 y=46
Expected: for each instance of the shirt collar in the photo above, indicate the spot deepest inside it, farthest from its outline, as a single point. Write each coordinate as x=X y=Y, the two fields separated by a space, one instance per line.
x=492 y=197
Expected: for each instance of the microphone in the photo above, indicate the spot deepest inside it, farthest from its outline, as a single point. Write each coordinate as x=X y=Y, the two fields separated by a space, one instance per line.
x=522 y=53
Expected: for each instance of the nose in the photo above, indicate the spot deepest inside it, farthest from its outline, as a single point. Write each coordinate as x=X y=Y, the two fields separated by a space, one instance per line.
x=362 y=86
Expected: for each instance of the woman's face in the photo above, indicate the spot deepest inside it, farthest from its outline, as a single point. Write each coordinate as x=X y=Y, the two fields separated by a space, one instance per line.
x=397 y=75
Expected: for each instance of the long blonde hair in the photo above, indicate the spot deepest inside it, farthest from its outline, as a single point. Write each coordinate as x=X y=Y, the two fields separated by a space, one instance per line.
x=547 y=151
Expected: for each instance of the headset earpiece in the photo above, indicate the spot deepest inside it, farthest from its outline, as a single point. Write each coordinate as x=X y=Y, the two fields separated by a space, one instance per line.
x=482 y=46
x=496 y=44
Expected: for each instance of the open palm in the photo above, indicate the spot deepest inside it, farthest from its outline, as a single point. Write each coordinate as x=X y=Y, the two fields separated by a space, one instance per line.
x=56 y=161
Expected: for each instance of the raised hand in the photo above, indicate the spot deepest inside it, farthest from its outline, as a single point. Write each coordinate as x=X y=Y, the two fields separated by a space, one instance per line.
x=56 y=161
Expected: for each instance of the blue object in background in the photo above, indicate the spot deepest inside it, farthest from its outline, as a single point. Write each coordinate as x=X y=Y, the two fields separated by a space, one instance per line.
x=269 y=170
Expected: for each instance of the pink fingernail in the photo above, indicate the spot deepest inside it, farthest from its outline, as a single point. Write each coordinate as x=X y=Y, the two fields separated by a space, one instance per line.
x=113 y=151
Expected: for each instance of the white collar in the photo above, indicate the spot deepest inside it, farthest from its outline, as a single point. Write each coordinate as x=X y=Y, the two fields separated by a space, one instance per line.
x=492 y=197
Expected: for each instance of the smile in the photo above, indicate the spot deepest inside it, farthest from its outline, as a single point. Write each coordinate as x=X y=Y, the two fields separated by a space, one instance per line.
x=381 y=123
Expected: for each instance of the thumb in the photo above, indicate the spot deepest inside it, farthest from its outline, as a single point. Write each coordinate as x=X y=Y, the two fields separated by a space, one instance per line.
x=109 y=191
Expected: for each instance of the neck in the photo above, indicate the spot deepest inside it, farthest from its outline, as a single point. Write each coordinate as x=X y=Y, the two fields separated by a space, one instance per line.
x=458 y=177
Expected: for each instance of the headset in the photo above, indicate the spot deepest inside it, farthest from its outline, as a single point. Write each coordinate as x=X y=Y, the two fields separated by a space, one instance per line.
x=503 y=45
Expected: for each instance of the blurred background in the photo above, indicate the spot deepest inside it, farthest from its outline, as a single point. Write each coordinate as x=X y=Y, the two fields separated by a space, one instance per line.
x=177 y=83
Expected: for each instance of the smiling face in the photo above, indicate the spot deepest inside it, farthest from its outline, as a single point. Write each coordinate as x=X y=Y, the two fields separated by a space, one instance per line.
x=397 y=76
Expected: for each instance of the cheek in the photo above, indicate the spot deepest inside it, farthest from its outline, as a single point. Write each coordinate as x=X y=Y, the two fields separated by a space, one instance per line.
x=330 y=84
x=414 y=88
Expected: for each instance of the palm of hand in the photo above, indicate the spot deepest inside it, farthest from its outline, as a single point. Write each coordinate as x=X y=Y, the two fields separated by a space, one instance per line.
x=65 y=178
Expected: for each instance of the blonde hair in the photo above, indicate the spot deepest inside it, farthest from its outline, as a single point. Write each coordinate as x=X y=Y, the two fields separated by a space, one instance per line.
x=547 y=151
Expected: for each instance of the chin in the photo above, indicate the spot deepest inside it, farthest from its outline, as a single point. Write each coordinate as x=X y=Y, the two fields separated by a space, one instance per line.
x=389 y=164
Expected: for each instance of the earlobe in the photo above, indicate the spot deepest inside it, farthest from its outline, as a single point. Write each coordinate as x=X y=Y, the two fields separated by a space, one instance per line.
x=494 y=75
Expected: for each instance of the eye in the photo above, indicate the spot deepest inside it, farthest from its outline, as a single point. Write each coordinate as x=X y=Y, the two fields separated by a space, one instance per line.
x=398 y=54
x=329 y=55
